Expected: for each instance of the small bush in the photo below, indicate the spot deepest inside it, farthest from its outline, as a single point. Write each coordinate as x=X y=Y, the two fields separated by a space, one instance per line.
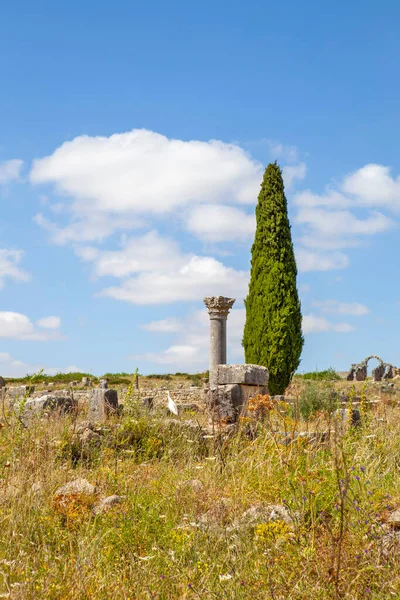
x=327 y=375
x=315 y=399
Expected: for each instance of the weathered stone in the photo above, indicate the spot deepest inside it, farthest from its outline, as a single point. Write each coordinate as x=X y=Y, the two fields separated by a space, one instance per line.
x=21 y=391
x=90 y=437
x=86 y=382
x=244 y=374
x=390 y=545
x=104 y=384
x=49 y=403
x=2 y=382
x=394 y=519
x=354 y=420
x=80 y=428
x=264 y=513
x=194 y=484
x=78 y=486
x=107 y=503
x=101 y=404
x=227 y=402
x=148 y=402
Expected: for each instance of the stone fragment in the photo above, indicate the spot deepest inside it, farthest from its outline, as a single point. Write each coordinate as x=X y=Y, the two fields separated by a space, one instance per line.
x=242 y=374
x=148 y=402
x=343 y=415
x=49 y=402
x=102 y=403
x=21 y=391
x=264 y=513
x=90 y=437
x=77 y=486
x=80 y=428
x=390 y=545
x=104 y=384
x=106 y=504
x=394 y=519
x=227 y=402
x=194 y=484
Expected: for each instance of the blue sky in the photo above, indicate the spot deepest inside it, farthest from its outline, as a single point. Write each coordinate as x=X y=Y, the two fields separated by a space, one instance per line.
x=133 y=137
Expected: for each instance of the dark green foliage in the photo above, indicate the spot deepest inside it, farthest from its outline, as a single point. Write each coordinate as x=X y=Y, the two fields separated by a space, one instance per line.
x=272 y=335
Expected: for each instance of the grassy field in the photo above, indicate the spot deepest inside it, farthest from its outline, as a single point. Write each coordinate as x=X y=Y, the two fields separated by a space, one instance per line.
x=194 y=517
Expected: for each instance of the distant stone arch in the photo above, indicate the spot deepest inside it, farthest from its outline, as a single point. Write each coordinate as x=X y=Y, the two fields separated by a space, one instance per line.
x=358 y=372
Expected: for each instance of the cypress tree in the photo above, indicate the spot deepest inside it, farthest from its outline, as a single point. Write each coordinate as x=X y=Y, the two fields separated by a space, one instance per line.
x=272 y=334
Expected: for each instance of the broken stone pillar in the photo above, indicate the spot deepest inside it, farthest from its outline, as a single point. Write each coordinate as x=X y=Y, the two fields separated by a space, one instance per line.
x=102 y=403
x=218 y=310
x=104 y=384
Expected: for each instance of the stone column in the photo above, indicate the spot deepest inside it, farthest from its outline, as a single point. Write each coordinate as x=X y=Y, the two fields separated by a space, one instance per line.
x=218 y=309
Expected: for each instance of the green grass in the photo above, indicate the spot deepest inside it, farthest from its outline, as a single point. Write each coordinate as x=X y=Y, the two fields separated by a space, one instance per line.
x=170 y=540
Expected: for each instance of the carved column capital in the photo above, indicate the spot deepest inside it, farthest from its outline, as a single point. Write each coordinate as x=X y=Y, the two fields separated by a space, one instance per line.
x=218 y=306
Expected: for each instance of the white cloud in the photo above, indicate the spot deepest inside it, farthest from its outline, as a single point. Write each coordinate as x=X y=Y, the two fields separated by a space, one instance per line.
x=293 y=172
x=150 y=252
x=283 y=151
x=10 y=170
x=320 y=261
x=330 y=229
x=313 y=324
x=49 y=322
x=334 y=307
x=373 y=185
x=217 y=223
x=199 y=276
x=170 y=325
x=9 y=269
x=143 y=172
x=328 y=220
x=94 y=227
x=18 y=326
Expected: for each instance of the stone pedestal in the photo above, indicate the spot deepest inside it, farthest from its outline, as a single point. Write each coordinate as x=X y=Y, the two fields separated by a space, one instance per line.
x=218 y=310
x=102 y=403
x=234 y=386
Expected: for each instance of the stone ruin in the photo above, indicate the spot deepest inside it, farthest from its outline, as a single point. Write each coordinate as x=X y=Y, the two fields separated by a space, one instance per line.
x=230 y=386
x=358 y=372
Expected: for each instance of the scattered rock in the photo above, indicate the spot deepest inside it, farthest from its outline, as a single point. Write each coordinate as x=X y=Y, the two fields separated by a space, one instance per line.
x=217 y=516
x=148 y=402
x=36 y=489
x=21 y=391
x=264 y=513
x=390 y=545
x=49 y=403
x=77 y=486
x=343 y=415
x=394 y=519
x=107 y=503
x=80 y=428
x=90 y=437
x=195 y=484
